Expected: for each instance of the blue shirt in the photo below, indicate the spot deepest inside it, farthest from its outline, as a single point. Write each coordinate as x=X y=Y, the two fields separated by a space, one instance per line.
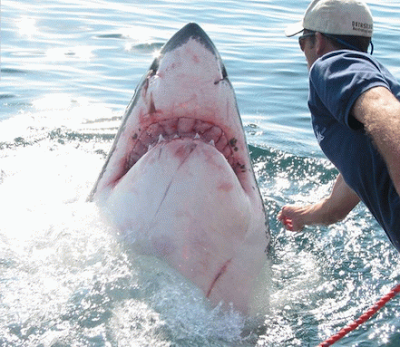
x=336 y=81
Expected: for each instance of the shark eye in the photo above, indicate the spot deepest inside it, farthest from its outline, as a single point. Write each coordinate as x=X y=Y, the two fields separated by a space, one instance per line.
x=224 y=73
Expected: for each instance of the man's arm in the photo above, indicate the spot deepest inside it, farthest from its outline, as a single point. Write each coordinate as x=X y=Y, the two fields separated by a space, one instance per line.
x=379 y=111
x=328 y=211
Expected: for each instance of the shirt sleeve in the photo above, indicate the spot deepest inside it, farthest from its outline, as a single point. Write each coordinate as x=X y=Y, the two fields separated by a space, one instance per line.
x=339 y=78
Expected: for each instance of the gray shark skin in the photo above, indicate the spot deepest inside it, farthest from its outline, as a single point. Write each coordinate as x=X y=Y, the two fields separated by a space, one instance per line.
x=178 y=182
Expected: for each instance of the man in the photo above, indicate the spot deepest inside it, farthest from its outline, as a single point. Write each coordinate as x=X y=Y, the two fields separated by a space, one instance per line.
x=355 y=108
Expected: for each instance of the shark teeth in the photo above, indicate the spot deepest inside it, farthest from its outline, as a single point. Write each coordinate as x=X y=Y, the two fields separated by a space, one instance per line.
x=161 y=132
x=160 y=138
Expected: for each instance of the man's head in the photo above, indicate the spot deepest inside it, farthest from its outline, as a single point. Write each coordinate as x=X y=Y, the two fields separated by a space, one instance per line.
x=343 y=24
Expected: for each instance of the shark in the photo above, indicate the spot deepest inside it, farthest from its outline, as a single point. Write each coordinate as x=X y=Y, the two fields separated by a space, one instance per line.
x=178 y=182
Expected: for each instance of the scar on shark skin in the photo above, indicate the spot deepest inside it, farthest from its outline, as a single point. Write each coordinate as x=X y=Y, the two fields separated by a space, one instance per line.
x=220 y=273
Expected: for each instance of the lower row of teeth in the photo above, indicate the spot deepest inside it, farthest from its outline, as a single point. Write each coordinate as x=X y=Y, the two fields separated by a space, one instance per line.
x=140 y=148
x=162 y=139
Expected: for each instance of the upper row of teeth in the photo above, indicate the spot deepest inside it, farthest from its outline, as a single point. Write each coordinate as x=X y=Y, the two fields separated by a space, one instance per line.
x=162 y=139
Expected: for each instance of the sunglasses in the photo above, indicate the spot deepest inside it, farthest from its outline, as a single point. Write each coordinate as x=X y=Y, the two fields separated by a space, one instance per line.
x=303 y=37
x=344 y=43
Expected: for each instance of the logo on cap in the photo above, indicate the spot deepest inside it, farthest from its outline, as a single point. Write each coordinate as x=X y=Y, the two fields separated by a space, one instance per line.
x=363 y=27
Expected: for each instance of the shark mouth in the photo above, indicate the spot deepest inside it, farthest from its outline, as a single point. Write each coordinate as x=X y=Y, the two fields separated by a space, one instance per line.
x=186 y=128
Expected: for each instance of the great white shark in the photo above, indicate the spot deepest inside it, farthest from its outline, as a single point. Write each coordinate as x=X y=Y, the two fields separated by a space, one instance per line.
x=178 y=181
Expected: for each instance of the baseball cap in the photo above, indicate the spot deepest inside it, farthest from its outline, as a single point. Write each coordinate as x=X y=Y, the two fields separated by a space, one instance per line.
x=335 y=17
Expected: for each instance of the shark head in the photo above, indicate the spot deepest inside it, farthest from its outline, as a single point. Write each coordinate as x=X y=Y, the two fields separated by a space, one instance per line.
x=178 y=182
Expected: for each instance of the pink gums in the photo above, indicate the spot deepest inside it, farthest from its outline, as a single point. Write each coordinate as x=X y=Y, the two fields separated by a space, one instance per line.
x=171 y=129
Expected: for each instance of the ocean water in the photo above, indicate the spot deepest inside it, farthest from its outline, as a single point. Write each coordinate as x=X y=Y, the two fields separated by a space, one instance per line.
x=68 y=70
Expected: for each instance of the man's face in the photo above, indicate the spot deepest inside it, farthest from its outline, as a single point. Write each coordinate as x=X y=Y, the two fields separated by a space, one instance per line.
x=307 y=45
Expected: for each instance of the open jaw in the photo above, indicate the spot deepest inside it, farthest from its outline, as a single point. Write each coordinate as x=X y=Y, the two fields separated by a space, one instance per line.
x=145 y=138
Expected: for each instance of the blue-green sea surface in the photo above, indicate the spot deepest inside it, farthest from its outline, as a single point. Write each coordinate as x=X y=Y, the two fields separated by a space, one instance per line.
x=68 y=70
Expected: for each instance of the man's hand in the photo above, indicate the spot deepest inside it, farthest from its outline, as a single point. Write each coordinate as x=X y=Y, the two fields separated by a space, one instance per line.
x=327 y=211
x=293 y=217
